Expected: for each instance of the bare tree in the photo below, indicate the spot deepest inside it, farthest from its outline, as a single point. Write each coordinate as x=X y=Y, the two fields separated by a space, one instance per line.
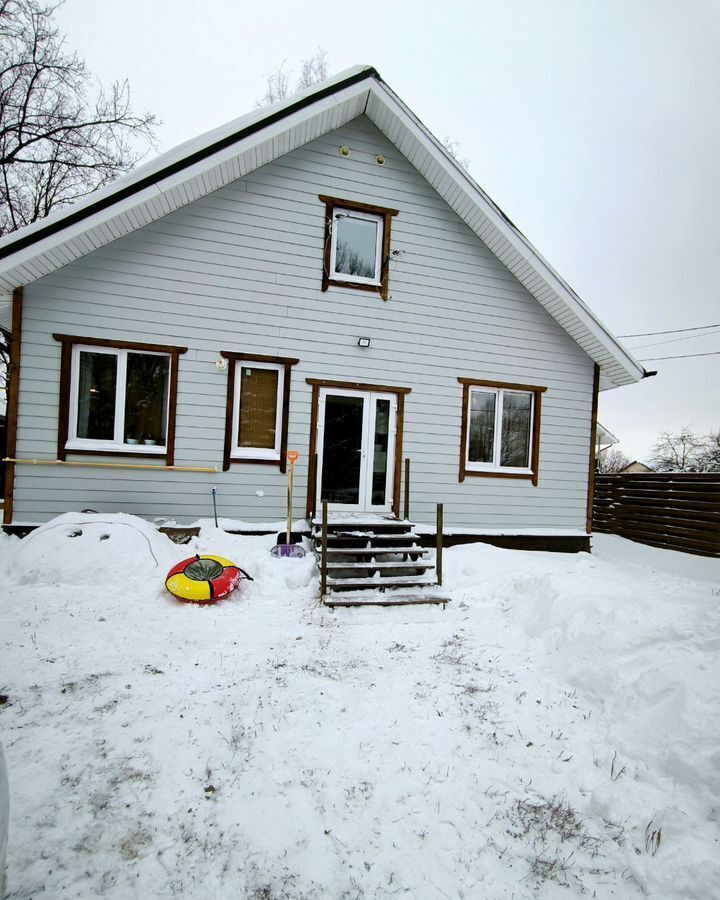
x=710 y=453
x=277 y=83
x=453 y=148
x=62 y=136
x=611 y=461
x=313 y=70
x=681 y=452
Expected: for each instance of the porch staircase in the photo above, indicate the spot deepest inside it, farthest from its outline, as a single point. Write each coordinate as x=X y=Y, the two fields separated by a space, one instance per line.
x=370 y=558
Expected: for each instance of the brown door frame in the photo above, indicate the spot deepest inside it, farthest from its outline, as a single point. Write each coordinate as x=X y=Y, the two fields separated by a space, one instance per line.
x=316 y=384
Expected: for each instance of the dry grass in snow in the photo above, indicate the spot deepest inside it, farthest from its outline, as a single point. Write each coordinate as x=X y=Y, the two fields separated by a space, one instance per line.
x=551 y=733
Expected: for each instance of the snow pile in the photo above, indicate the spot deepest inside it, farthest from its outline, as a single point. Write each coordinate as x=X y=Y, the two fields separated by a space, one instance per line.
x=92 y=549
x=551 y=733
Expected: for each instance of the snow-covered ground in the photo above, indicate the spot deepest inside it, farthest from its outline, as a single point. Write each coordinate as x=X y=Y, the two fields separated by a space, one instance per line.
x=552 y=733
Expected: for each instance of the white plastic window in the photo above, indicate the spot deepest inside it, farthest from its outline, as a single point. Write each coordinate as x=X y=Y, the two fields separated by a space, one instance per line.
x=257 y=413
x=356 y=251
x=499 y=433
x=118 y=400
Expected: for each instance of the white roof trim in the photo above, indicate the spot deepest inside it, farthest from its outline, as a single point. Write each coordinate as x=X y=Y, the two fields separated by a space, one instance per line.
x=219 y=157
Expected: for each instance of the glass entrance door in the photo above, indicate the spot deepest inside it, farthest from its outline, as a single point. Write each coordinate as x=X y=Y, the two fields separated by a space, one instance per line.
x=356 y=449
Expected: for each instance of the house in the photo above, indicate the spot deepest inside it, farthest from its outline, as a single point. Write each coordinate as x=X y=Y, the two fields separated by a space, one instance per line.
x=319 y=275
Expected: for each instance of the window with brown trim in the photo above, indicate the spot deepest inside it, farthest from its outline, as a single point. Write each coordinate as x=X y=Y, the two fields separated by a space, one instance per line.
x=117 y=397
x=357 y=245
x=500 y=432
x=258 y=405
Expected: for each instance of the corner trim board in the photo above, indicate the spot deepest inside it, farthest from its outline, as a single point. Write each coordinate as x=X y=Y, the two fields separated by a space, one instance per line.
x=593 y=438
x=13 y=402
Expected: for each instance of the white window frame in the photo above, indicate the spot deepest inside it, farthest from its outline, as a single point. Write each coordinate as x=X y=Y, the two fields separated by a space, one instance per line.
x=344 y=212
x=236 y=451
x=495 y=466
x=117 y=444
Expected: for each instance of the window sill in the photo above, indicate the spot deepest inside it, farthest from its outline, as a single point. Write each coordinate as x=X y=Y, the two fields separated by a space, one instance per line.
x=496 y=473
x=354 y=279
x=261 y=460
x=375 y=287
x=143 y=450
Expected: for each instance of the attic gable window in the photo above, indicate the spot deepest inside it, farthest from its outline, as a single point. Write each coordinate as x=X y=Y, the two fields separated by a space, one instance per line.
x=117 y=397
x=357 y=245
x=500 y=431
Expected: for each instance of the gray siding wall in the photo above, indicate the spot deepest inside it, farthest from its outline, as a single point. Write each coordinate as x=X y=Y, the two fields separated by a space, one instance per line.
x=241 y=270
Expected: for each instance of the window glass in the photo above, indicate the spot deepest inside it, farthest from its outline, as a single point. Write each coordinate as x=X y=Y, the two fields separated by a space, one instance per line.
x=356 y=245
x=342 y=445
x=146 y=396
x=97 y=382
x=515 y=439
x=258 y=408
x=482 y=426
x=380 y=451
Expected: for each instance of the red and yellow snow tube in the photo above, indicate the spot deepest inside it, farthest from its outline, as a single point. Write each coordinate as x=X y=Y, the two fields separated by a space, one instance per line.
x=204 y=579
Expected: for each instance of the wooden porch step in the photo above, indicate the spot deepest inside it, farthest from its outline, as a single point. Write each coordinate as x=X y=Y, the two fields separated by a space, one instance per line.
x=392 y=581
x=363 y=536
x=381 y=565
x=368 y=599
x=364 y=520
x=376 y=551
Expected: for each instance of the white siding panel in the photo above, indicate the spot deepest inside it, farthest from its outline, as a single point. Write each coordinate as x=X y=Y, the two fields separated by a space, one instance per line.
x=240 y=270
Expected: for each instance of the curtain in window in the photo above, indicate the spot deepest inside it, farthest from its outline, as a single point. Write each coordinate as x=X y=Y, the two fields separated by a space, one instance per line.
x=258 y=408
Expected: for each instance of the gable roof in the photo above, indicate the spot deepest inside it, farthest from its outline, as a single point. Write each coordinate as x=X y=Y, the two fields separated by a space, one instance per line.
x=208 y=162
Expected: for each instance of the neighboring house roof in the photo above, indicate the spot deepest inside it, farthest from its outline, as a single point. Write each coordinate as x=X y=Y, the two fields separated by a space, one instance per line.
x=635 y=466
x=605 y=438
x=218 y=157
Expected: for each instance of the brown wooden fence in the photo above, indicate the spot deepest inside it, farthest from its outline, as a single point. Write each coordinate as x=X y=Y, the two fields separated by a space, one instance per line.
x=679 y=510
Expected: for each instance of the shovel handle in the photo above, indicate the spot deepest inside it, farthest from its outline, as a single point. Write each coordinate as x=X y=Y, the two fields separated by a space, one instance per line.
x=292 y=457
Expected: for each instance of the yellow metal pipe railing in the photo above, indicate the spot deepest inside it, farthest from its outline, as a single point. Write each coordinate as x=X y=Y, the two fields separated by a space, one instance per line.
x=103 y=465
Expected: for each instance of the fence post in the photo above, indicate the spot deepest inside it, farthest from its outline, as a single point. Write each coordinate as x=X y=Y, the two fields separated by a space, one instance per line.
x=323 y=550
x=407 y=489
x=439 y=544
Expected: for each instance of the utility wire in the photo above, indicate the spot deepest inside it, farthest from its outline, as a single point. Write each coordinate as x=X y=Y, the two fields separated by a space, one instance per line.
x=689 y=337
x=672 y=331
x=687 y=356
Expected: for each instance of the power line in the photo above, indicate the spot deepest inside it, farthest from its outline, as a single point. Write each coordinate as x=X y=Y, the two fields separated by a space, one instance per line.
x=687 y=356
x=689 y=337
x=672 y=331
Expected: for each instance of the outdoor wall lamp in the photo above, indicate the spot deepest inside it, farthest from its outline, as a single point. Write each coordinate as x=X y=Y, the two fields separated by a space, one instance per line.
x=363 y=342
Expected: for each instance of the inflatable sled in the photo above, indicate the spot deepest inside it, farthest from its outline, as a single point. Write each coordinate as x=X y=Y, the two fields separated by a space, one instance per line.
x=204 y=579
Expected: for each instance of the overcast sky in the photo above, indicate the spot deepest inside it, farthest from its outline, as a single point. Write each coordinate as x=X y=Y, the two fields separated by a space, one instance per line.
x=595 y=126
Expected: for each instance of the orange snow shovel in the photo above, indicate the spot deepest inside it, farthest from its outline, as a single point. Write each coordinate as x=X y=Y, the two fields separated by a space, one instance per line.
x=292 y=546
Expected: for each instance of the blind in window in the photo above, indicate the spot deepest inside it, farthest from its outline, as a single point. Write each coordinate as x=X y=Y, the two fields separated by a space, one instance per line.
x=258 y=408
